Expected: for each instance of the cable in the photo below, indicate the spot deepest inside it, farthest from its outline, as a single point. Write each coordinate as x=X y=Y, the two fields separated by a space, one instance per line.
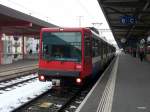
x=86 y=10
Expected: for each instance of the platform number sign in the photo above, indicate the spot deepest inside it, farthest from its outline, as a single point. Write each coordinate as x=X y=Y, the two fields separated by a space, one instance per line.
x=128 y=20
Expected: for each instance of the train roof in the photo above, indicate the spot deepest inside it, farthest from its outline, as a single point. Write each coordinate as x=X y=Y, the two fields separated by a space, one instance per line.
x=65 y=29
x=72 y=28
x=94 y=29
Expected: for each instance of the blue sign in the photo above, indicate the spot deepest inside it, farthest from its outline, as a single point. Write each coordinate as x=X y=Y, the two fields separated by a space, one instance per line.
x=128 y=20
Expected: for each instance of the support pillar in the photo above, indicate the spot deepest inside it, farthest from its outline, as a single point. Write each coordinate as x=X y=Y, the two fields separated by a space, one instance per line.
x=23 y=53
x=1 y=48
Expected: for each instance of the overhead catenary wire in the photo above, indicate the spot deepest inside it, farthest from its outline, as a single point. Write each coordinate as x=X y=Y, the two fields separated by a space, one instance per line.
x=84 y=8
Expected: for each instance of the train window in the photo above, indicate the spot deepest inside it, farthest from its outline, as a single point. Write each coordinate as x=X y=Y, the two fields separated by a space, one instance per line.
x=87 y=44
x=65 y=46
x=103 y=48
x=99 y=47
x=95 y=47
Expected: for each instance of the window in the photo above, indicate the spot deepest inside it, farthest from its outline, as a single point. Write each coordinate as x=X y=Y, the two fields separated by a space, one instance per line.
x=87 y=44
x=95 y=47
x=65 y=46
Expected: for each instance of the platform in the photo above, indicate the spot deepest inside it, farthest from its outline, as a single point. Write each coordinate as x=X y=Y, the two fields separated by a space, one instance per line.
x=18 y=64
x=126 y=89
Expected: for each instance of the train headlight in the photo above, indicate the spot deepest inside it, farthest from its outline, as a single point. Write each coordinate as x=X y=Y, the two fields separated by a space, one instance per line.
x=41 y=78
x=78 y=80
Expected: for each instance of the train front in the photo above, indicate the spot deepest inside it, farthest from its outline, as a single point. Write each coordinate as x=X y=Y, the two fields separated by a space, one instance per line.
x=60 y=55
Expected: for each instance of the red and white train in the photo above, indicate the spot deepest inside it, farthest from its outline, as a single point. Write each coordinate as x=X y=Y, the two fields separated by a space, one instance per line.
x=72 y=54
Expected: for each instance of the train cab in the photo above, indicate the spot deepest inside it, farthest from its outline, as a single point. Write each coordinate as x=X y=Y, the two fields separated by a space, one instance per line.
x=65 y=54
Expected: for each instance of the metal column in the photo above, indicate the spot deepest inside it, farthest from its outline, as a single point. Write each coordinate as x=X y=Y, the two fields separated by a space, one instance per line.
x=1 y=48
x=23 y=46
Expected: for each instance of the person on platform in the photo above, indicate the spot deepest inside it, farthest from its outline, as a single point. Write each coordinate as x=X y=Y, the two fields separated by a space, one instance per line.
x=141 y=54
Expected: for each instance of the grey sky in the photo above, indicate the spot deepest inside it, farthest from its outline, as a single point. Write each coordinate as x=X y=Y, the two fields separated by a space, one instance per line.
x=64 y=12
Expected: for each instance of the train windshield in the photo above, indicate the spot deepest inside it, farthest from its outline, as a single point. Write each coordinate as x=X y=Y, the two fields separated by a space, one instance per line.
x=63 y=46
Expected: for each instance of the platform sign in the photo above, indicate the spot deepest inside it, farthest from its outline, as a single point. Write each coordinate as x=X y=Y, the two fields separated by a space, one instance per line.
x=128 y=20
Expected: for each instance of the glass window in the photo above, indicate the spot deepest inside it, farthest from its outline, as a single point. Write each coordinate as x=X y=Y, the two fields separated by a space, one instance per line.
x=63 y=46
x=95 y=47
x=87 y=45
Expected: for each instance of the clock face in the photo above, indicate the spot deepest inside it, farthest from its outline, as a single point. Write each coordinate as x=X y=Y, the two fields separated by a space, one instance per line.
x=123 y=40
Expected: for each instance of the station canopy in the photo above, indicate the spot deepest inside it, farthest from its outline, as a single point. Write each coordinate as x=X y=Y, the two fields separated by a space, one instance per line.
x=13 y=22
x=129 y=20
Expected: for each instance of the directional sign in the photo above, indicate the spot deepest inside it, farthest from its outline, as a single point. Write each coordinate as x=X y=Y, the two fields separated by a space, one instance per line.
x=128 y=20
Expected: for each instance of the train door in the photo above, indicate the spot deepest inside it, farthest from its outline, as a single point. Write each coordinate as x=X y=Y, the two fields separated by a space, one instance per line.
x=87 y=53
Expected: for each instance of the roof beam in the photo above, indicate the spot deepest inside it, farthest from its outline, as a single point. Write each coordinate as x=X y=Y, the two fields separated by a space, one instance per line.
x=16 y=24
x=23 y=33
x=145 y=6
x=137 y=31
x=129 y=12
x=124 y=4
x=127 y=27
x=116 y=10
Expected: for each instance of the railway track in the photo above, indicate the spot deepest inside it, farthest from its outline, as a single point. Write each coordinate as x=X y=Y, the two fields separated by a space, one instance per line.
x=12 y=84
x=17 y=81
x=56 y=100
x=19 y=92
x=17 y=72
x=17 y=68
x=48 y=100
x=51 y=100
x=8 y=83
x=14 y=77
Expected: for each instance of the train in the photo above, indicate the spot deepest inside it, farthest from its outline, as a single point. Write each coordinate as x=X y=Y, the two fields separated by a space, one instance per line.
x=72 y=54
